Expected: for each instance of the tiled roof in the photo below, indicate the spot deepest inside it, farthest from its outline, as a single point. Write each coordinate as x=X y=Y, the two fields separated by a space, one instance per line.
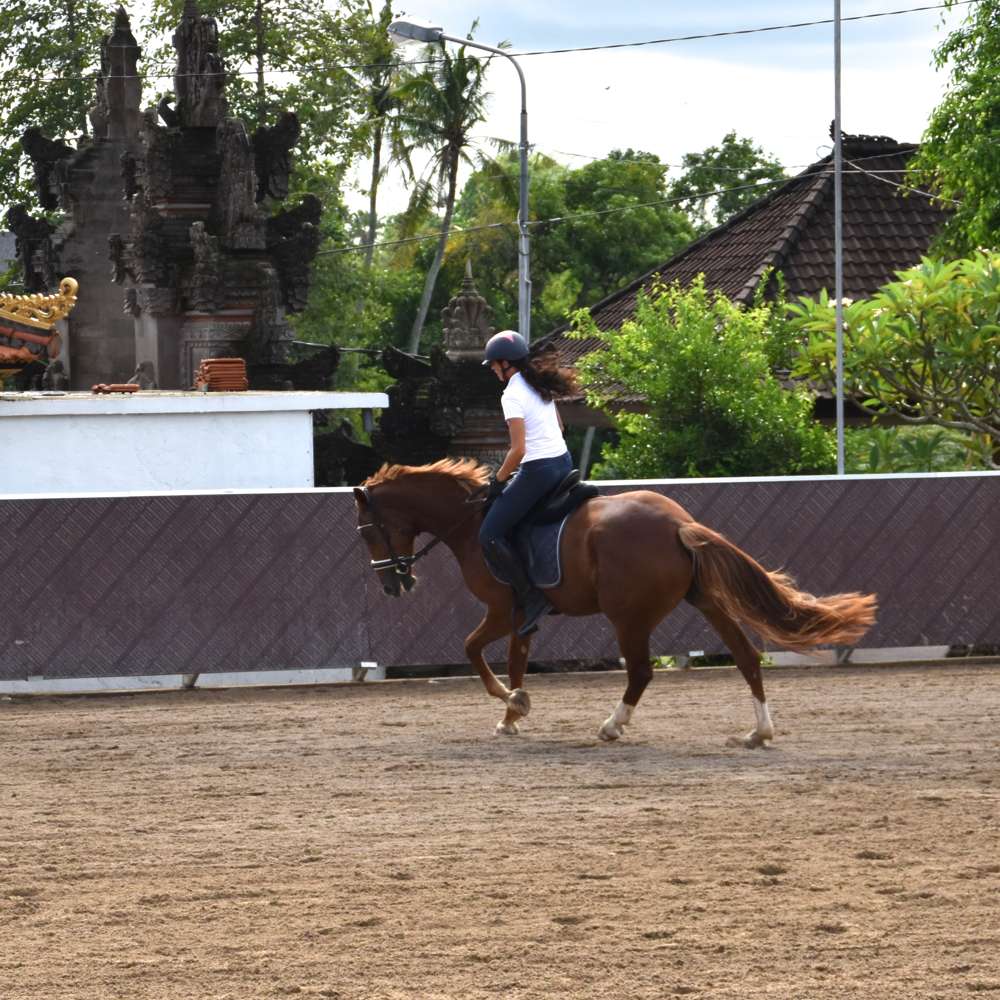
x=791 y=229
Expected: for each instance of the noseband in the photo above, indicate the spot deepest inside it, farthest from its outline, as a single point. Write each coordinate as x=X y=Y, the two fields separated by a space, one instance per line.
x=401 y=564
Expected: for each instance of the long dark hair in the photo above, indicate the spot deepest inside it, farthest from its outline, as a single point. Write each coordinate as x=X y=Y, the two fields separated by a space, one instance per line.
x=541 y=371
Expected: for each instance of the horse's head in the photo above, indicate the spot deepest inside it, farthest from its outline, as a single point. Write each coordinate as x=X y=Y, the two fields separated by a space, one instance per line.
x=401 y=501
x=389 y=538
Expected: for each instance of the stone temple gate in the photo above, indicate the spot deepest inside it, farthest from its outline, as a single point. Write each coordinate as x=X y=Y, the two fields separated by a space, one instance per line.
x=169 y=230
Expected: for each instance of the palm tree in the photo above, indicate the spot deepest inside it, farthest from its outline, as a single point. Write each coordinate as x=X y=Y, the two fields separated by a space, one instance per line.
x=440 y=106
x=381 y=129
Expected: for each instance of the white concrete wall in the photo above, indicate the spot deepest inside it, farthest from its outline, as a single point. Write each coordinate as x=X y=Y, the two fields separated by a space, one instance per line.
x=154 y=441
x=157 y=452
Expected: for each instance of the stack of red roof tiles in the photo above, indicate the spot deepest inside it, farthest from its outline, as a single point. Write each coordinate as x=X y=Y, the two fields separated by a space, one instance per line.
x=222 y=375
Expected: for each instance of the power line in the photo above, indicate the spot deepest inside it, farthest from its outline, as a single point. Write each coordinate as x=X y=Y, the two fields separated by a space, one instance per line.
x=705 y=166
x=873 y=174
x=415 y=239
x=733 y=33
x=742 y=31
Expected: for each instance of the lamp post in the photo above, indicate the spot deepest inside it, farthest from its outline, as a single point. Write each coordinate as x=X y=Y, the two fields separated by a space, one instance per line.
x=411 y=31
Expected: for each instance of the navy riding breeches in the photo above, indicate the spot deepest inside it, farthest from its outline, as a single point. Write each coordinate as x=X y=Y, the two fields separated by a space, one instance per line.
x=532 y=481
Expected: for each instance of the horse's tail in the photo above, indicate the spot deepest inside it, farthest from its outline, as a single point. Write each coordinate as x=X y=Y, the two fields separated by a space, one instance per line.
x=769 y=601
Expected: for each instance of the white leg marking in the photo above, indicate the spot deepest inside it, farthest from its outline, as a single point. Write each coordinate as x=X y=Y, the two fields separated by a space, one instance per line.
x=765 y=728
x=507 y=729
x=760 y=734
x=614 y=725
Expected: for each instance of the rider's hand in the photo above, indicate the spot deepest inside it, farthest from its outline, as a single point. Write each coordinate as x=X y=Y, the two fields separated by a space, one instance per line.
x=496 y=487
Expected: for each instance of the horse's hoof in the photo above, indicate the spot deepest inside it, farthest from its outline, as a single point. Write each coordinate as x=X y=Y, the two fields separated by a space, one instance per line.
x=610 y=731
x=519 y=702
x=507 y=729
x=752 y=741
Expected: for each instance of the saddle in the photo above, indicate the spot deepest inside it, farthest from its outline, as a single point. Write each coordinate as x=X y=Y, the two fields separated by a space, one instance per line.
x=536 y=539
x=561 y=502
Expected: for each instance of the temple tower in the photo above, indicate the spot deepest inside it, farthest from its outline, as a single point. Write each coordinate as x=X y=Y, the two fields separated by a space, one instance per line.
x=466 y=323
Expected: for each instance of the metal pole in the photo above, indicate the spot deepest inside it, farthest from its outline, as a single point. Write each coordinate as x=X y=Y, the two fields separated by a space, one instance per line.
x=838 y=235
x=523 y=242
x=588 y=445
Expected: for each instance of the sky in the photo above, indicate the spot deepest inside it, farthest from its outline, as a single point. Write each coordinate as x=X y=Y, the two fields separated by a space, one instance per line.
x=776 y=88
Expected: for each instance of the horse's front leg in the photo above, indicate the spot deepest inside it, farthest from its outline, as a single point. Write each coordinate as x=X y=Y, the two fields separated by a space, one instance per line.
x=518 y=704
x=495 y=625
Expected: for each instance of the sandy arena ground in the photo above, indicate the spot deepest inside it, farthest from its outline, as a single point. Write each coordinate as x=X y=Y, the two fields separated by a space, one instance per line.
x=379 y=842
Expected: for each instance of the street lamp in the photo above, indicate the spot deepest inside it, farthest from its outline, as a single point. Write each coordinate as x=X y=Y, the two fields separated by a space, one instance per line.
x=413 y=31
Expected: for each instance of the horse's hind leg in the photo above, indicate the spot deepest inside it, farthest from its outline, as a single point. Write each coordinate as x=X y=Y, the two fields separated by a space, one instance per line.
x=518 y=702
x=634 y=644
x=748 y=660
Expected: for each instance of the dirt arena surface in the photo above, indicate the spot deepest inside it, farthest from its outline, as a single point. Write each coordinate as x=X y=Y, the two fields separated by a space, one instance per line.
x=367 y=842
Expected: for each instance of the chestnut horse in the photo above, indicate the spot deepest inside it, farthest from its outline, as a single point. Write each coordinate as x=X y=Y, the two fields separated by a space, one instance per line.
x=632 y=557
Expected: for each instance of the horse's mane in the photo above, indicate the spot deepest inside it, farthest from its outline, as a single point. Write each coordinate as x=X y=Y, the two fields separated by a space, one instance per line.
x=465 y=471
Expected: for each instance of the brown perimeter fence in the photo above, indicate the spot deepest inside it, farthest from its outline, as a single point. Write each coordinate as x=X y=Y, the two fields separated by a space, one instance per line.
x=164 y=584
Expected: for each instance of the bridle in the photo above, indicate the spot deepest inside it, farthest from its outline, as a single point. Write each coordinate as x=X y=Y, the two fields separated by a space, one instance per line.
x=401 y=564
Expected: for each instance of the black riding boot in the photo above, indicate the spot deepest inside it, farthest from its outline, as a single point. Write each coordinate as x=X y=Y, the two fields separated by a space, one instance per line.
x=526 y=595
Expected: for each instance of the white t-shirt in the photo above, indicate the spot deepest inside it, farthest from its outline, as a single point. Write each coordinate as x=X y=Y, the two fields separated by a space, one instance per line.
x=542 y=435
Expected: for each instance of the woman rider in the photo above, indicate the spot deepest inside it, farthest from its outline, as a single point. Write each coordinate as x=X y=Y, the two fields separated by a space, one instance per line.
x=537 y=454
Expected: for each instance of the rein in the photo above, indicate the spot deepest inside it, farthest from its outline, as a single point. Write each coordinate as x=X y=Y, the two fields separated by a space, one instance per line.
x=403 y=564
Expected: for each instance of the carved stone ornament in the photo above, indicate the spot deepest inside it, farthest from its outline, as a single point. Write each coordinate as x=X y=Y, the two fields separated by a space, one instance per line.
x=98 y=114
x=144 y=375
x=241 y=225
x=200 y=79
x=148 y=256
x=205 y=289
x=286 y=224
x=268 y=339
x=466 y=321
x=167 y=114
x=120 y=78
x=293 y=237
x=47 y=156
x=33 y=240
x=155 y=175
x=273 y=156
x=156 y=301
x=55 y=376
x=116 y=254
x=129 y=167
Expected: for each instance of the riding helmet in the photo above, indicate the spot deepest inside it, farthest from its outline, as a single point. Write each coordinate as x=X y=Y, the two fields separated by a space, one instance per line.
x=507 y=345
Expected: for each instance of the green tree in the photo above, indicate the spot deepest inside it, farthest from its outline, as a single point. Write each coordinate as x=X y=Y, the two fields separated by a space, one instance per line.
x=925 y=349
x=959 y=157
x=712 y=405
x=609 y=226
x=730 y=168
x=442 y=105
x=47 y=72
x=381 y=127
x=912 y=449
